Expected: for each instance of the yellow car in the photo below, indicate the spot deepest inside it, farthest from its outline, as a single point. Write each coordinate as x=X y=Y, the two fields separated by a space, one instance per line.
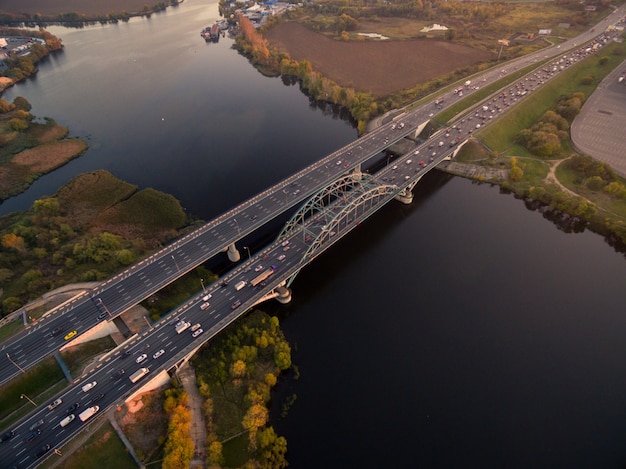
x=69 y=335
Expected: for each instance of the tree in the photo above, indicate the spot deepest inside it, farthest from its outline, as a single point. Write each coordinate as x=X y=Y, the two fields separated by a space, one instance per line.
x=18 y=125
x=22 y=103
x=516 y=173
x=13 y=241
x=215 y=453
x=238 y=370
x=595 y=183
x=282 y=355
x=255 y=418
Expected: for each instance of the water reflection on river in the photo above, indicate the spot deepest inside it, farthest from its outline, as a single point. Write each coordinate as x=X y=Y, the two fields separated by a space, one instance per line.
x=461 y=331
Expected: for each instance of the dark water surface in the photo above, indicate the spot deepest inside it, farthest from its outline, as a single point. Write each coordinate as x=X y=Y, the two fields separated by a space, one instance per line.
x=461 y=331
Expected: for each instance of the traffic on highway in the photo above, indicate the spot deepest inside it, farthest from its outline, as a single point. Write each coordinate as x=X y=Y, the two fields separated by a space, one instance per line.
x=162 y=345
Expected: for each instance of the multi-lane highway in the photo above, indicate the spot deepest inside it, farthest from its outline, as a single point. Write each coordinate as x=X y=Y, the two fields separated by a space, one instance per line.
x=353 y=203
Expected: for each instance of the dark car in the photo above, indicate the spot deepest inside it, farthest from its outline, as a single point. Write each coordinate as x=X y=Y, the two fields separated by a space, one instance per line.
x=101 y=316
x=31 y=436
x=43 y=450
x=126 y=354
x=72 y=408
x=118 y=375
x=56 y=331
x=99 y=397
x=37 y=424
x=7 y=436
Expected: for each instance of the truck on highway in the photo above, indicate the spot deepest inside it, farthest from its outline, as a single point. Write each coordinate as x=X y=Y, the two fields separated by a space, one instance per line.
x=181 y=326
x=262 y=276
x=88 y=413
x=239 y=285
x=137 y=375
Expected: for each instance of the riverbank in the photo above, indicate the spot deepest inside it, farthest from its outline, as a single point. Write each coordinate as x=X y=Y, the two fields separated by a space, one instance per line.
x=90 y=8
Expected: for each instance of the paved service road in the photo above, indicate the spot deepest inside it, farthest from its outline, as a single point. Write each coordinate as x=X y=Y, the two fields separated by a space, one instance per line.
x=598 y=130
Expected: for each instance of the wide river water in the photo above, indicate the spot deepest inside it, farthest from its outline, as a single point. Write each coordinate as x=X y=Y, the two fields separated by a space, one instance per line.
x=463 y=330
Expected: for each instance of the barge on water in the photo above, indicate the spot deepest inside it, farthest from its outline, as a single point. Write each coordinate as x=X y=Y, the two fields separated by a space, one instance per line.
x=211 y=33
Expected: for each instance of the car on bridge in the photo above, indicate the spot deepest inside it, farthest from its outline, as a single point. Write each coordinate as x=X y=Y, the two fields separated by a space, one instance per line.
x=57 y=330
x=55 y=404
x=43 y=450
x=258 y=268
x=118 y=375
x=72 y=408
x=88 y=386
x=7 y=436
x=141 y=358
x=158 y=354
x=70 y=335
x=31 y=436
x=196 y=333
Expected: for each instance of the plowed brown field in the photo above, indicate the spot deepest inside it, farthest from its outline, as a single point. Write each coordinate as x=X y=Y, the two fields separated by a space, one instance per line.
x=380 y=67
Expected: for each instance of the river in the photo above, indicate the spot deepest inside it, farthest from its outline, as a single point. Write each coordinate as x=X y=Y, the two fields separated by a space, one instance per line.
x=464 y=330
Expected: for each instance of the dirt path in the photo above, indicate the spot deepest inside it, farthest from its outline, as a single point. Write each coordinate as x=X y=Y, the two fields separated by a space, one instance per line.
x=551 y=177
x=187 y=377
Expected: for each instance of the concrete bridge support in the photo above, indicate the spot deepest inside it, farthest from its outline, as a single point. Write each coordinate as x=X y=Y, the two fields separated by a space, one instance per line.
x=356 y=173
x=233 y=253
x=418 y=131
x=284 y=295
x=406 y=196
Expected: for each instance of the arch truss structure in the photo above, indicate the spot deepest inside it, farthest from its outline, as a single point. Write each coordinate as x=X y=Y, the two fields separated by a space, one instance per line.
x=334 y=211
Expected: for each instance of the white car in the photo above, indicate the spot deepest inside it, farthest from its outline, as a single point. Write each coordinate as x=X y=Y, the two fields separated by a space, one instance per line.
x=281 y=257
x=141 y=358
x=204 y=306
x=55 y=404
x=207 y=297
x=158 y=354
x=197 y=333
x=88 y=386
x=258 y=268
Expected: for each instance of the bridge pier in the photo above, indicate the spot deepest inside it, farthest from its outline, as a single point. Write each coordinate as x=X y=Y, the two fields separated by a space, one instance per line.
x=356 y=173
x=284 y=295
x=406 y=196
x=233 y=253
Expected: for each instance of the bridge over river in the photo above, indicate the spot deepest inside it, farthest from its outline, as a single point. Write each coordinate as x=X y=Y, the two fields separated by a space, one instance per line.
x=328 y=199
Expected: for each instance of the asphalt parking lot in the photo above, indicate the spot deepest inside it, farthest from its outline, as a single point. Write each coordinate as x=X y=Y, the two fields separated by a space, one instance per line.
x=598 y=131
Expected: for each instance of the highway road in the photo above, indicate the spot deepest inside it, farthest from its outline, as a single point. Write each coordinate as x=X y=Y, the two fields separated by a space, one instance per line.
x=227 y=303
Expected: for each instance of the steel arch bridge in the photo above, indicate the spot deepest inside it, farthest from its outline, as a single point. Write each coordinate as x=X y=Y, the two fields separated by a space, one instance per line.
x=340 y=206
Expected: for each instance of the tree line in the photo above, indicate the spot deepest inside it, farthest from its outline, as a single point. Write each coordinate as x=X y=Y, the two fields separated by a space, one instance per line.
x=235 y=377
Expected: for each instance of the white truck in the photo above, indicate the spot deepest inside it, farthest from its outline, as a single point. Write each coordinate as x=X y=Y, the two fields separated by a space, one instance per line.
x=181 y=326
x=88 y=386
x=239 y=285
x=88 y=413
x=137 y=375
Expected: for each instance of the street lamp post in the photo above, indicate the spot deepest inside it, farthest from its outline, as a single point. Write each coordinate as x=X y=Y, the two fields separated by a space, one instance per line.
x=18 y=367
x=202 y=283
x=29 y=399
x=237 y=224
x=248 y=249
x=147 y=322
